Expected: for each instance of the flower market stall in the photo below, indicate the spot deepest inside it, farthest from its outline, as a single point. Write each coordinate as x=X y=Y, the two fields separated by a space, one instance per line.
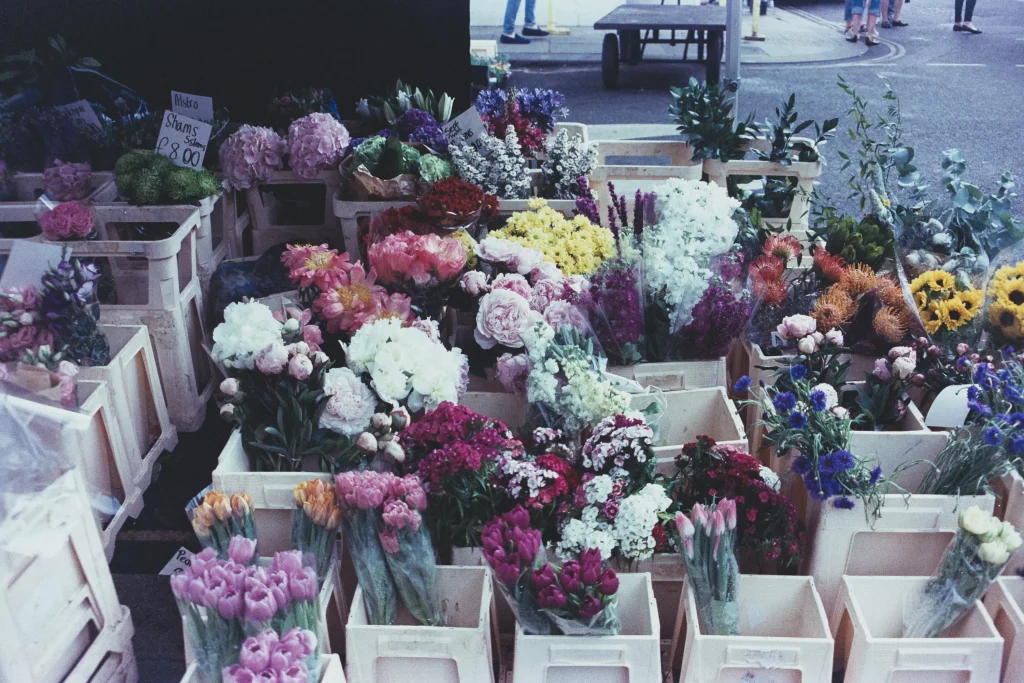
x=487 y=407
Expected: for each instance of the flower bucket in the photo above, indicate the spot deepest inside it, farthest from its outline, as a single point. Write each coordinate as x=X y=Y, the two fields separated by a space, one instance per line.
x=1005 y=604
x=1010 y=490
x=461 y=652
x=288 y=208
x=676 y=376
x=867 y=624
x=632 y=657
x=330 y=671
x=784 y=636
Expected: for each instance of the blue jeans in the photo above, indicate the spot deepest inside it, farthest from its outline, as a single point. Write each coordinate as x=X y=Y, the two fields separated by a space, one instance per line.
x=857 y=7
x=512 y=9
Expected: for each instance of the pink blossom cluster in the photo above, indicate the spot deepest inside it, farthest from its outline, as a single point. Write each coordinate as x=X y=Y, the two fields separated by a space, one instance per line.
x=399 y=499
x=510 y=545
x=243 y=592
x=609 y=507
x=250 y=156
x=22 y=326
x=67 y=221
x=618 y=441
x=316 y=143
x=269 y=657
x=64 y=182
x=423 y=259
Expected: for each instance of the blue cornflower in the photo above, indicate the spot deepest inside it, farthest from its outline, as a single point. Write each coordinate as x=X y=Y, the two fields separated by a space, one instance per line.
x=972 y=393
x=980 y=408
x=742 y=384
x=1017 y=444
x=1012 y=393
x=1008 y=352
x=993 y=437
x=831 y=486
x=814 y=487
x=1003 y=375
x=845 y=459
x=801 y=465
x=798 y=371
x=797 y=420
x=876 y=474
x=784 y=401
x=760 y=383
x=1016 y=419
x=961 y=362
x=981 y=373
x=818 y=400
x=836 y=462
x=844 y=503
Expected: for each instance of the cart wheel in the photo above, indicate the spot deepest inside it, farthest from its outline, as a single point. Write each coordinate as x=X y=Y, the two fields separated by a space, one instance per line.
x=631 y=49
x=610 y=61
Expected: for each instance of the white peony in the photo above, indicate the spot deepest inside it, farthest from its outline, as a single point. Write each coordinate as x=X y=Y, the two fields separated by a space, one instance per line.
x=248 y=328
x=831 y=395
x=1009 y=536
x=350 y=403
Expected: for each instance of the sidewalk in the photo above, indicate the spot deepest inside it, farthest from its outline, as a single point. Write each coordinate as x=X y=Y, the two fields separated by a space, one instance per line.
x=792 y=36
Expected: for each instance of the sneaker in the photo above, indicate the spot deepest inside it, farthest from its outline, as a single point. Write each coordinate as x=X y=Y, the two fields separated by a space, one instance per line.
x=850 y=36
x=514 y=40
x=534 y=32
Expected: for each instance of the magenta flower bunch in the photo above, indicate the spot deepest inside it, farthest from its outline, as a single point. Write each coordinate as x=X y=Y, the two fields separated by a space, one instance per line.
x=267 y=656
x=64 y=182
x=224 y=600
x=580 y=591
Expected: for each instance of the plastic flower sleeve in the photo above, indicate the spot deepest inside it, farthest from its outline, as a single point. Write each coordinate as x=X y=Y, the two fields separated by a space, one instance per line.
x=580 y=597
x=514 y=551
x=617 y=310
x=708 y=545
x=379 y=591
x=604 y=623
x=974 y=559
x=412 y=569
x=217 y=517
x=1003 y=316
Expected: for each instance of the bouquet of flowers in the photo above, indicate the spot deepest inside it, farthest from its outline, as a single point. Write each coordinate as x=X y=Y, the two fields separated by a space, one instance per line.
x=768 y=523
x=708 y=545
x=22 y=323
x=495 y=163
x=315 y=523
x=947 y=306
x=579 y=597
x=224 y=601
x=407 y=364
x=617 y=314
x=513 y=550
x=71 y=309
x=65 y=182
x=883 y=398
x=66 y=221
x=542 y=107
x=538 y=479
x=218 y=518
x=270 y=656
x=455 y=452
x=566 y=162
x=390 y=544
x=424 y=267
x=976 y=556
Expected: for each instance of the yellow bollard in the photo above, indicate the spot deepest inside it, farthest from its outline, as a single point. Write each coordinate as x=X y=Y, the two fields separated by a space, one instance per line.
x=755 y=6
x=552 y=29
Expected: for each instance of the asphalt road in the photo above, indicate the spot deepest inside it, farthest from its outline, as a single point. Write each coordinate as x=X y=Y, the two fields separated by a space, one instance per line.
x=956 y=90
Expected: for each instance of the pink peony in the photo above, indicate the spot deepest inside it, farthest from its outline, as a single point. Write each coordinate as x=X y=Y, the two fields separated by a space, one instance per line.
x=67 y=221
x=272 y=360
x=350 y=403
x=559 y=313
x=250 y=156
x=316 y=143
x=545 y=291
x=420 y=258
x=474 y=283
x=514 y=283
x=522 y=260
x=513 y=371
x=318 y=266
x=502 y=318
x=882 y=370
x=66 y=182
x=796 y=327
x=300 y=367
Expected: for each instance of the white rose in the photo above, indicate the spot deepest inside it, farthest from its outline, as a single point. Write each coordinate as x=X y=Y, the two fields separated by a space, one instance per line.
x=976 y=521
x=807 y=345
x=1009 y=536
x=994 y=553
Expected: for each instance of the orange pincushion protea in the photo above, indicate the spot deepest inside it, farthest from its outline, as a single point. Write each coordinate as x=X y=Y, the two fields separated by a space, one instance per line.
x=858 y=279
x=891 y=324
x=889 y=292
x=833 y=309
x=831 y=267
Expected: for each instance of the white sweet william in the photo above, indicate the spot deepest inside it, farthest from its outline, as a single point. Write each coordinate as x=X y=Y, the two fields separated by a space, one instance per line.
x=638 y=515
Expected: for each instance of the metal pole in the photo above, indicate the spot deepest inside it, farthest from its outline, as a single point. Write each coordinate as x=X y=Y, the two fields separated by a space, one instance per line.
x=733 y=39
x=552 y=29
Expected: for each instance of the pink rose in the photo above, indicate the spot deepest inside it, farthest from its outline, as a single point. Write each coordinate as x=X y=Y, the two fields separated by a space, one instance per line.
x=273 y=359
x=514 y=283
x=474 y=283
x=796 y=327
x=513 y=371
x=559 y=313
x=67 y=221
x=502 y=318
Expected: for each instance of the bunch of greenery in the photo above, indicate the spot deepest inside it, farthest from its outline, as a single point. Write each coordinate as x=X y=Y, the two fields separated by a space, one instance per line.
x=49 y=70
x=384 y=110
x=867 y=242
x=704 y=114
x=782 y=131
x=385 y=158
x=148 y=178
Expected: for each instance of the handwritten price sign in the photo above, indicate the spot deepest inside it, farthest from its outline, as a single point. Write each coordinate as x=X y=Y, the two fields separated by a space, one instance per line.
x=183 y=140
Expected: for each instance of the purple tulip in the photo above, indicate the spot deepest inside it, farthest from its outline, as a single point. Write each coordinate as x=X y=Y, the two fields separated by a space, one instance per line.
x=260 y=605
x=551 y=598
x=590 y=561
x=256 y=576
x=267 y=676
x=279 y=661
x=507 y=572
x=529 y=546
x=234 y=574
x=196 y=591
x=179 y=586
x=543 y=577
x=241 y=549
x=570 y=576
x=238 y=674
x=231 y=604
x=520 y=517
x=590 y=606
x=609 y=582
x=288 y=561
x=296 y=673
x=269 y=637
x=278 y=585
x=303 y=584
x=254 y=655
x=299 y=642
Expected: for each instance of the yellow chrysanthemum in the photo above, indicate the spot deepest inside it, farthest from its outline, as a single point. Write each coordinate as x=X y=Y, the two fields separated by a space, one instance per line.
x=954 y=314
x=575 y=245
x=931 y=315
x=470 y=244
x=1008 y=319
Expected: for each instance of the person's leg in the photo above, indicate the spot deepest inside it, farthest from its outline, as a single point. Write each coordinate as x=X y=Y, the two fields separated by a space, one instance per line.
x=896 y=17
x=969 y=11
x=848 y=13
x=958 y=9
x=886 y=13
x=874 y=9
x=511 y=10
x=530 y=20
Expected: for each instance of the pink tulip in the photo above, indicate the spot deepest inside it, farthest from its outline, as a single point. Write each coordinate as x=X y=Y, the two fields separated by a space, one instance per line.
x=231 y=604
x=296 y=673
x=260 y=605
x=287 y=561
x=255 y=654
x=278 y=585
x=298 y=642
x=238 y=674
x=303 y=585
x=241 y=549
x=684 y=526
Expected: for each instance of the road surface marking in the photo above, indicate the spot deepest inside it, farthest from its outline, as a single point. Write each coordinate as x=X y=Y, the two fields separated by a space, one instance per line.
x=952 y=64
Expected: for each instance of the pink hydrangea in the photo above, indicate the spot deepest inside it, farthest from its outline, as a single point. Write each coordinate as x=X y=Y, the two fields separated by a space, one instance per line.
x=502 y=318
x=250 y=156
x=64 y=182
x=316 y=143
x=420 y=258
x=514 y=283
x=513 y=370
x=67 y=221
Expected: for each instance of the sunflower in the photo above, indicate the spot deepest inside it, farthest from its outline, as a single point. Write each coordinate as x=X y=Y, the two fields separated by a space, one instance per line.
x=972 y=299
x=954 y=314
x=858 y=279
x=919 y=283
x=1007 y=319
x=921 y=299
x=833 y=309
x=888 y=291
x=940 y=280
x=891 y=324
x=831 y=267
x=932 y=318
x=1009 y=291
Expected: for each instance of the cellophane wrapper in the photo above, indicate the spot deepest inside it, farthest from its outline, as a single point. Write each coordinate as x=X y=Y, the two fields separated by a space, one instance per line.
x=414 y=574
x=604 y=623
x=314 y=541
x=962 y=579
x=379 y=592
x=617 y=310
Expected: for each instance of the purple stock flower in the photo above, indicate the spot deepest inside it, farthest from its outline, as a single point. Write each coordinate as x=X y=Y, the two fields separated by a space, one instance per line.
x=589 y=606
x=617 y=314
x=719 y=317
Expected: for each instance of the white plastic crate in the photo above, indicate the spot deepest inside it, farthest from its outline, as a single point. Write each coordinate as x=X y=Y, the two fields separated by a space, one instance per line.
x=138 y=399
x=634 y=175
x=675 y=376
x=460 y=652
x=1005 y=604
x=233 y=216
x=668 y=574
x=867 y=624
x=272 y=497
x=784 y=636
x=1011 y=492
x=509 y=408
x=59 y=612
x=270 y=223
x=634 y=656
x=331 y=671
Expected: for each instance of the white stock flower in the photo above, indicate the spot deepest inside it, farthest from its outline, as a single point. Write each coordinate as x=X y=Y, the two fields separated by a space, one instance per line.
x=976 y=521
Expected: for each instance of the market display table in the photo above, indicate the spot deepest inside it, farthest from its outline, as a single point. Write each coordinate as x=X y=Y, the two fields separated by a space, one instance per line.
x=704 y=26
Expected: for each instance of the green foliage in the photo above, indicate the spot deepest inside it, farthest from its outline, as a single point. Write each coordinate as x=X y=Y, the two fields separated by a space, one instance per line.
x=385 y=158
x=704 y=114
x=384 y=110
x=989 y=217
x=147 y=178
x=434 y=168
x=781 y=132
x=867 y=242
x=40 y=69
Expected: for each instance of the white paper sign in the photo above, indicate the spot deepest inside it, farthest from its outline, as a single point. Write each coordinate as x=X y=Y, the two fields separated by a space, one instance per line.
x=29 y=262
x=466 y=128
x=195 y=106
x=183 y=140
x=82 y=111
x=949 y=410
x=181 y=561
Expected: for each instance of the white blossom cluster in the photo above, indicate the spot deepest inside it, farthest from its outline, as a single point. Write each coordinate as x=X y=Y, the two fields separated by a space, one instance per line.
x=494 y=164
x=248 y=328
x=630 y=532
x=566 y=160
